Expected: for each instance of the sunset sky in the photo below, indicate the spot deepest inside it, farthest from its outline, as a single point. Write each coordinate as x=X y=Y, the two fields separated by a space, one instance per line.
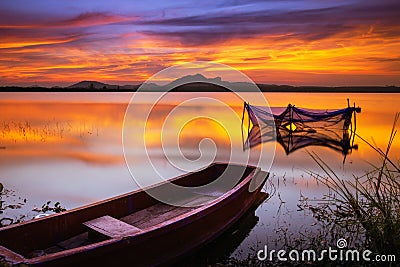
x=297 y=42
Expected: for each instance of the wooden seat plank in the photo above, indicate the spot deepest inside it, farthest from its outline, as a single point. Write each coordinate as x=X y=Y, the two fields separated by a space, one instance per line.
x=161 y=212
x=152 y=215
x=111 y=227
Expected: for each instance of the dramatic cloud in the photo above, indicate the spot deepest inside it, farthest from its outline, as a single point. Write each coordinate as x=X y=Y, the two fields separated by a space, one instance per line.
x=91 y=19
x=298 y=42
x=312 y=24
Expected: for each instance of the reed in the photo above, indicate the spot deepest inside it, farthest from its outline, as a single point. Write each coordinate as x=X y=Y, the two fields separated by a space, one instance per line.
x=368 y=205
x=44 y=131
x=365 y=210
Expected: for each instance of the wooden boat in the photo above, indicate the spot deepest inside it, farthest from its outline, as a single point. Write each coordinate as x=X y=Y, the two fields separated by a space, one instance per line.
x=222 y=247
x=134 y=228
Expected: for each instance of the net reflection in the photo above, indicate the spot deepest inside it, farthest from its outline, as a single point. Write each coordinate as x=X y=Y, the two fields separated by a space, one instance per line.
x=295 y=128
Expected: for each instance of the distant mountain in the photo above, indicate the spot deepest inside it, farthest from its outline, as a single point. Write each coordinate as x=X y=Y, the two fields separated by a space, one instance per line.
x=92 y=85
x=200 y=83
x=197 y=78
x=189 y=83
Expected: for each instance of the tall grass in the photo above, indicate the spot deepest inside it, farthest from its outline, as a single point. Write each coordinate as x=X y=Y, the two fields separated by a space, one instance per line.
x=368 y=205
x=365 y=210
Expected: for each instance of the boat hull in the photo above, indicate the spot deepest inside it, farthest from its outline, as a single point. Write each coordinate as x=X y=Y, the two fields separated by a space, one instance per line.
x=166 y=242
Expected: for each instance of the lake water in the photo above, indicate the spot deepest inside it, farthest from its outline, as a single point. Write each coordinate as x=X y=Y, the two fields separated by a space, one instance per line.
x=68 y=147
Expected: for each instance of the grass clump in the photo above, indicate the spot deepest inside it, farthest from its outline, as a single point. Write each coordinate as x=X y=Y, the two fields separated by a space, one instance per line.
x=368 y=207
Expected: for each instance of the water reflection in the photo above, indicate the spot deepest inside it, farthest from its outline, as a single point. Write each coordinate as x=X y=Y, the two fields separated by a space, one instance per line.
x=296 y=128
x=51 y=137
x=62 y=130
x=220 y=250
x=80 y=160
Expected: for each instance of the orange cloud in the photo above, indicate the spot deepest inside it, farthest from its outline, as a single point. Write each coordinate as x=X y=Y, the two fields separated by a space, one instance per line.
x=310 y=46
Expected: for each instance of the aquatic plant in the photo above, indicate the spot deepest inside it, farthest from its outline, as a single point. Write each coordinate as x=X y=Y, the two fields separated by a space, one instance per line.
x=4 y=206
x=9 y=201
x=365 y=210
x=368 y=206
x=45 y=131
x=56 y=208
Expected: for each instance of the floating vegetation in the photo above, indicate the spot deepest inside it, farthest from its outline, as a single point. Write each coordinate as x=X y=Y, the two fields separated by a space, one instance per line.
x=6 y=205
x=9 y=201
x=56 y=208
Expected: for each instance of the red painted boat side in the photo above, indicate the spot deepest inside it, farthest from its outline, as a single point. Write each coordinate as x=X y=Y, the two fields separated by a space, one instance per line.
x=161 y=243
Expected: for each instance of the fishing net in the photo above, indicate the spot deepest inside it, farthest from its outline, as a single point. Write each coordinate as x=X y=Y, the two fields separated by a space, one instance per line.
x=296 y=128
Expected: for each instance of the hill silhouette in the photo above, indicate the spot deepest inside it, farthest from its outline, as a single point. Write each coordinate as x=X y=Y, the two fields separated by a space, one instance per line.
x=92 y=85
x=200 y=83
x=197 y=78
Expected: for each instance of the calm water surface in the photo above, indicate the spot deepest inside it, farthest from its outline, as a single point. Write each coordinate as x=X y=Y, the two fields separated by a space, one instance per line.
x=68 y=147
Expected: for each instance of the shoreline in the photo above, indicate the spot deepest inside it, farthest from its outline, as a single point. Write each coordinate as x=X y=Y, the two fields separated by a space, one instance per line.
x=212 y=88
